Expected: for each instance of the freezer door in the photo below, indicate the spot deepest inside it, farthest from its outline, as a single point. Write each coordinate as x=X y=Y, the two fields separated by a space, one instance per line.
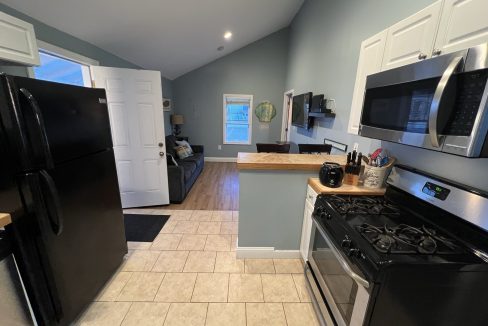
x=82 y=229
x=62 y=122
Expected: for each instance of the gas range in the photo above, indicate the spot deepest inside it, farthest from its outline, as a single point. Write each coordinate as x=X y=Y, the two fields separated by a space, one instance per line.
x=388 y=228
x=419 y=239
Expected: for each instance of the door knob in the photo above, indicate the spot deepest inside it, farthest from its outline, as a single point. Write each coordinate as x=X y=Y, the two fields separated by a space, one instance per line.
x=161 y=154
x=436 y=52
x=422 y=56
x=160 y=144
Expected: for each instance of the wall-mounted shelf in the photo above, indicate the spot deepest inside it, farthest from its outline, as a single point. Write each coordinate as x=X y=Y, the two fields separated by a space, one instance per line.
x=320 y=115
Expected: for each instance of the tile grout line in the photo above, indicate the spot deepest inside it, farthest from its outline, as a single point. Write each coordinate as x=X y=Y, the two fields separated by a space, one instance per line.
x=296 y=287
x=159 y=287
x=284 y=313
x=125 y=316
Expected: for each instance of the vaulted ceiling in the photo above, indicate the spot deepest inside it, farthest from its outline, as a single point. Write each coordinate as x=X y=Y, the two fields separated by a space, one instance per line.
x=173 y=36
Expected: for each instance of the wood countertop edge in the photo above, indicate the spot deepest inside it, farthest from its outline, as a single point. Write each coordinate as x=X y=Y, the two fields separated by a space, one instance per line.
x=5 y=219
x=315 y=184
x=287 y=162
x=278 y=166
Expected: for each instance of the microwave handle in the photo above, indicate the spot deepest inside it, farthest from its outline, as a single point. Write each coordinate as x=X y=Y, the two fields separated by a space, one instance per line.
x=438 y=97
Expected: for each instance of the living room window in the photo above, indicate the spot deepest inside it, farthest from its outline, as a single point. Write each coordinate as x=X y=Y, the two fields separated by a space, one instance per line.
x=237 y=119
x=63 y=66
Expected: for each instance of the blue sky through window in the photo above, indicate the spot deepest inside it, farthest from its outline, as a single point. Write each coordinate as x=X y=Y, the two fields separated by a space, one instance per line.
x=59 y=70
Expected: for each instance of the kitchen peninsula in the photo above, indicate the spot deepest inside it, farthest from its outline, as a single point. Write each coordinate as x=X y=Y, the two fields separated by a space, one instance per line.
x=271 y=201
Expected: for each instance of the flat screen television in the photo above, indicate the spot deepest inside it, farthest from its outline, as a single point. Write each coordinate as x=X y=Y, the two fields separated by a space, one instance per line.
x=300 y=110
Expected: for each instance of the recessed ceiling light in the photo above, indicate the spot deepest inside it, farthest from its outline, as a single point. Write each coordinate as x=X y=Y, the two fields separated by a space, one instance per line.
x=228 y=35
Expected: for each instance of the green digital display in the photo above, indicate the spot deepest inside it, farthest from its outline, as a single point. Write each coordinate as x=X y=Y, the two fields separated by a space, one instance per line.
x=435 y=191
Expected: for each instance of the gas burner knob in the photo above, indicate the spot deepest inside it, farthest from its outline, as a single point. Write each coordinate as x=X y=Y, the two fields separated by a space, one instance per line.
x=346 y=243
x=354 y=252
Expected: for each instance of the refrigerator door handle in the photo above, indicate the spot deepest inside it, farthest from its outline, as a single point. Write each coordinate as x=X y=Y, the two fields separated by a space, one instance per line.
x=53 y=203
x=40 y=123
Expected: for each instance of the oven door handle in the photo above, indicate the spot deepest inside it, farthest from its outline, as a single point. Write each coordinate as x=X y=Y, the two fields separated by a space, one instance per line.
x=438 y=98
x=342 y=260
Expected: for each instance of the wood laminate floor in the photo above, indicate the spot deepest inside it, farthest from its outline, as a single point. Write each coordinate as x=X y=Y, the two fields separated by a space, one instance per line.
x=217 y=188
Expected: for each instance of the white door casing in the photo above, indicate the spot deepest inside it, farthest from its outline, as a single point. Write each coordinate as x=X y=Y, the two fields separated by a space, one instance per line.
x=412 y=39
x=134 y=99
x=463 y=24
x=370 y=58
x=286 y=118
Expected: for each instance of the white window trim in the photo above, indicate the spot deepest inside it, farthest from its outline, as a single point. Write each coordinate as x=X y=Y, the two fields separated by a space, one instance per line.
x=246 y=97
x=66 y=54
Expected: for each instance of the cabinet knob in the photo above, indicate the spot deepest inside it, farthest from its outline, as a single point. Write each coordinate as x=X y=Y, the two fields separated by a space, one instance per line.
x=161 y=154
x=422 y=56
x=436 y=52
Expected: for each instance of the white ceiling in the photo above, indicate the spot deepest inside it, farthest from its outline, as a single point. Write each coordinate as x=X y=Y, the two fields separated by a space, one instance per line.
x=173 y=36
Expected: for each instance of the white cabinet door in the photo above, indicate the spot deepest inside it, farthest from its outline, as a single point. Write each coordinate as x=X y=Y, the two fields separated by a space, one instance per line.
x=17 y=41
x=370 y=58
x=464 y=23
x=136 y=118
x=412 y=39
x=307 y=223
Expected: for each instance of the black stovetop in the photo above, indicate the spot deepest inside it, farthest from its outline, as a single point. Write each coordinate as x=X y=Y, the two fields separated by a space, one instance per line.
x=389 y=229
x=387 y=233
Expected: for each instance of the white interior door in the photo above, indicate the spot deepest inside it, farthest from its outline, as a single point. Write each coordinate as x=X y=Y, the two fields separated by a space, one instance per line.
x=134 y=99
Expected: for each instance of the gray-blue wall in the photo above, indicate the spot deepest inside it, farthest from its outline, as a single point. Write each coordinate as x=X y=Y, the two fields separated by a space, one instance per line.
x=258 y=69
x=66 y=41
x=325 y=37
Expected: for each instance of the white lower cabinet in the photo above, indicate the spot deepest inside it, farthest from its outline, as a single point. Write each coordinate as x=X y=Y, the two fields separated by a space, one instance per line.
x=307 y=223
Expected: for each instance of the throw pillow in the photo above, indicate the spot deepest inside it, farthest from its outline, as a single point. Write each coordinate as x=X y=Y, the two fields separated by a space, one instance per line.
x=186 y=144
x=182 y=152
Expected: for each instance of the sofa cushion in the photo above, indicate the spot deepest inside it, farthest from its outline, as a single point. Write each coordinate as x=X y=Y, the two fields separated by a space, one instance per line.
x=196 y=158
x=188 y=167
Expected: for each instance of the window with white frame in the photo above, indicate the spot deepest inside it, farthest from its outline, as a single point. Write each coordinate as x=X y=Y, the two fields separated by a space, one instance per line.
x=63 y=66
x=237 y=119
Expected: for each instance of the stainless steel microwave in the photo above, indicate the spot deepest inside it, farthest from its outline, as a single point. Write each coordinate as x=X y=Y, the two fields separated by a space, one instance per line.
x=439 y=104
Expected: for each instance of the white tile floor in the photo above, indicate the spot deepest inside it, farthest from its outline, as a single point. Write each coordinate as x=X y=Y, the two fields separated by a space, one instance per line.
x=189 y=275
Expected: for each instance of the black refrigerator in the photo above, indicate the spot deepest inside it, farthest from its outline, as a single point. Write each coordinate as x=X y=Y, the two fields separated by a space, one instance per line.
x=58 y=181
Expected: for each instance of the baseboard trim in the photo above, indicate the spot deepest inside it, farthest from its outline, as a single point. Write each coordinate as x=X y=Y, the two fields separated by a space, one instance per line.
x=220 y=159
x=265 y=252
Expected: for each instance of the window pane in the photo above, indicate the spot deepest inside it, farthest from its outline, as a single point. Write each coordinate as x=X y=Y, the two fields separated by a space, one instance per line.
x=236 y=133
x=237 y=112
x=59 y=70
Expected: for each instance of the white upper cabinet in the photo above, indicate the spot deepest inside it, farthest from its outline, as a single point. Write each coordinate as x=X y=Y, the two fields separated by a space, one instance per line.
x=370 y=58
x=412 y=39
x=17 y=41
x=464 y=23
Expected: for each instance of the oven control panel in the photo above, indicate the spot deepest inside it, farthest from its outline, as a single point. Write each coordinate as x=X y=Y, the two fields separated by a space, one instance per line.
x=436 y=191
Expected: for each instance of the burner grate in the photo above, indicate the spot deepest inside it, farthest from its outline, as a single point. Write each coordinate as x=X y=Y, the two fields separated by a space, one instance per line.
x=362 y=205
x=404 y=238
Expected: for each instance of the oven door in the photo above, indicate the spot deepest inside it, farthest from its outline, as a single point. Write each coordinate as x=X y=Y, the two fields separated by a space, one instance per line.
x=438 y=104
x=342 y=287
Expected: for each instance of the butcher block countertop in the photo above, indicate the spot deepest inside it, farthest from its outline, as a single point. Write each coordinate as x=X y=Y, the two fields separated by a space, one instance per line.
x=274 y=161
x=4 y=219
x=344 y=189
